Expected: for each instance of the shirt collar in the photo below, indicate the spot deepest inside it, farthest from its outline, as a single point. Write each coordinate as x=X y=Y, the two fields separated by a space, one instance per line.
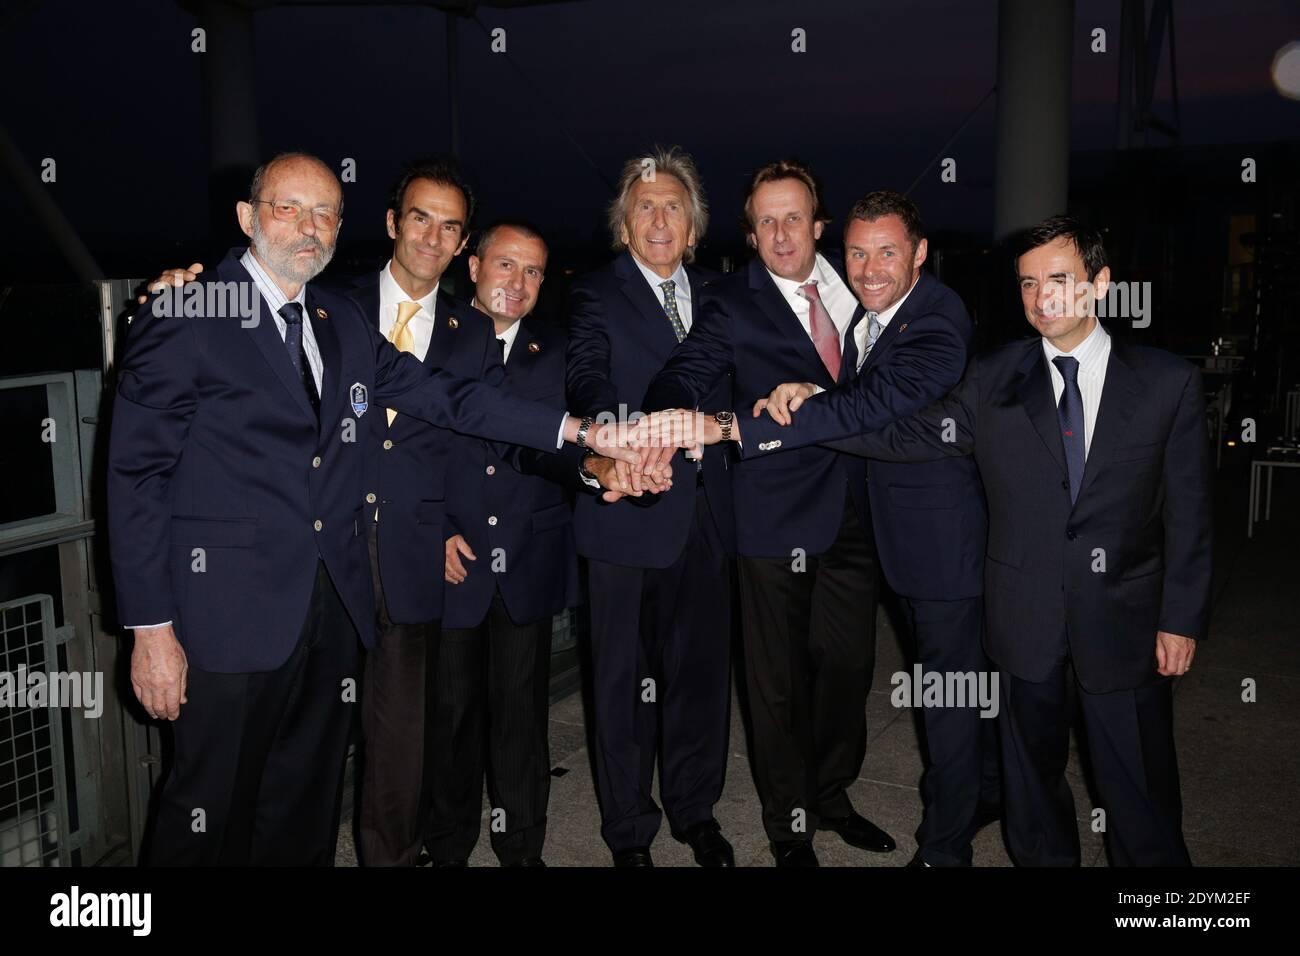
x=392 y=292
x=884 y=317
x=266 y=285
x=789 y=287
x=510 y=334
x=682 y=290
x=1088 y=352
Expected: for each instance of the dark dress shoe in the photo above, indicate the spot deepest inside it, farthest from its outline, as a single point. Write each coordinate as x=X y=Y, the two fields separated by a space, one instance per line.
x=636 y=856
x=449 y=864
x=916 y=860
x=710 y=846
x=794 y=853
x=528 y=861
x=856 y=830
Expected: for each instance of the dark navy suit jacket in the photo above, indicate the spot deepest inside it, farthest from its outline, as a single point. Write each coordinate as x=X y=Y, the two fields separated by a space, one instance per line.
x=223 y=489
x=929 y=517
x=1097 y=577
x=619 y=337
x=407 y=462
x=744 y=327
x=520 y=523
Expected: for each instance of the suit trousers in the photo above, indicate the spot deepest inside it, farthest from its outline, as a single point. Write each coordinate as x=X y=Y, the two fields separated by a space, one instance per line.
x=961 y=747
x=257 y=769
x=399 y=673
x=490 y=709
x=810 y=647
x=1130 y=741
x=661 y=652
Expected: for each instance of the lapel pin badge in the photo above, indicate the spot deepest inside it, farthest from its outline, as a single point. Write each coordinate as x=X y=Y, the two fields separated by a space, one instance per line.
x=453 y=323
x=322 y=314
x=903 y=327
x=534 y=347
x=359 y=398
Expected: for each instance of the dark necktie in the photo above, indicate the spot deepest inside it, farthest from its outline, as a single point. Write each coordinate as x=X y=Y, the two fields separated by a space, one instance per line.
x=291 y=312
x=501 y=344
x=1070 y=411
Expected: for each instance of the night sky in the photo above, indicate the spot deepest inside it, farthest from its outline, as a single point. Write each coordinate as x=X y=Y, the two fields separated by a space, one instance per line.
x=113 y=93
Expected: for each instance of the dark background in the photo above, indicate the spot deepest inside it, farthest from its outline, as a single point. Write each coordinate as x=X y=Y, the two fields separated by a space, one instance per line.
x=114 y=94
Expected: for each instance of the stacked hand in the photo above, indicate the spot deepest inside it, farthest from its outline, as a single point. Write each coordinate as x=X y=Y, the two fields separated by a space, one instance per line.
x=784 y=401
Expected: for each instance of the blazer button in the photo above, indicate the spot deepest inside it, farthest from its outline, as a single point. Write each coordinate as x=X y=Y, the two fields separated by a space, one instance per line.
x=491 y=469
x=318 y=524
x=1069 y=533
x=370 y=498
x=493 y=521
x=315 y=462
x=388 y=443
x=1065 y=486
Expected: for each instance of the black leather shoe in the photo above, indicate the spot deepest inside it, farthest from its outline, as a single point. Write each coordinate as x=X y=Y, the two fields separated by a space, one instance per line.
x=636 y=856
x=449 y=864
x=916 y=860
x=710 y=846
x=794 y=853
x=528 y=861
x=856 y=830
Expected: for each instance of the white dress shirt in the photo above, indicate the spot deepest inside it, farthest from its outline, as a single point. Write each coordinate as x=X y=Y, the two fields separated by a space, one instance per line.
x=1093 y=355
x=391 y=295
x=835 y=296
x=681 y=291
x=277 y=300
x=509 y=336
x=882 y=318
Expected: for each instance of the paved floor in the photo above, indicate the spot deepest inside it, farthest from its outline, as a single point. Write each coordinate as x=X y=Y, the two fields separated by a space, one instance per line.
x=1239 y=761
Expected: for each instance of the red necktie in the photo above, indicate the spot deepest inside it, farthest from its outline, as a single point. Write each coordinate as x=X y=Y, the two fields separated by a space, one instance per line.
x=824 y=334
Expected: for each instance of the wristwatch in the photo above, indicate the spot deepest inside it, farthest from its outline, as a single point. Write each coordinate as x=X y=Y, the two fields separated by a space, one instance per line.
x=583 y=428
x=583 y=471
x=724 y=420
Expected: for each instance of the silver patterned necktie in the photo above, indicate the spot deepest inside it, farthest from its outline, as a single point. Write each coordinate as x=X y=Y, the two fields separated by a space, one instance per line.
x=670 y=306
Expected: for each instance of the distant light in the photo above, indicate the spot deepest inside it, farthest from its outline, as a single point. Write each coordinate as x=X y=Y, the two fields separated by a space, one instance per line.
x=1231 y=443
x=1286 y=71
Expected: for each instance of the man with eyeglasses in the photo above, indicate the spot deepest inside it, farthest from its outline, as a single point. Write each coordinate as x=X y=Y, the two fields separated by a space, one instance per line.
x=237 y=525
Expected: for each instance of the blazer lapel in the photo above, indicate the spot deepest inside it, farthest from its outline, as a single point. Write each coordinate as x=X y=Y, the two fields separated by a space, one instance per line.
x=774 y=306
x=1034 y=393
x=1120 y=397
x=646 y=301
x=849 y=361
x=331 y=354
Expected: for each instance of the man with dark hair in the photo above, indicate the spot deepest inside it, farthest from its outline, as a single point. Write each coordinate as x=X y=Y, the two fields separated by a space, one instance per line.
x=246 y=584
x=1095 y=463
x=806 y=558
x=510 y=567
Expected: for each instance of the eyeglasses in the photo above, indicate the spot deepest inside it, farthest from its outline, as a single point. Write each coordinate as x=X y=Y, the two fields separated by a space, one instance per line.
x=290 y=210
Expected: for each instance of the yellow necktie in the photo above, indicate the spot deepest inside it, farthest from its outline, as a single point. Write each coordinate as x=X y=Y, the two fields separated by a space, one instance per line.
x=401 y=336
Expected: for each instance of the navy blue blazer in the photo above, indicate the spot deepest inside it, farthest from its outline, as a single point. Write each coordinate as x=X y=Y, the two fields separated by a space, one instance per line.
x=528 y=517
x=406 y=465
x=929 y=517
x=619 y=337
x=223 y=489
x=1096 y=578
x=744 y=326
